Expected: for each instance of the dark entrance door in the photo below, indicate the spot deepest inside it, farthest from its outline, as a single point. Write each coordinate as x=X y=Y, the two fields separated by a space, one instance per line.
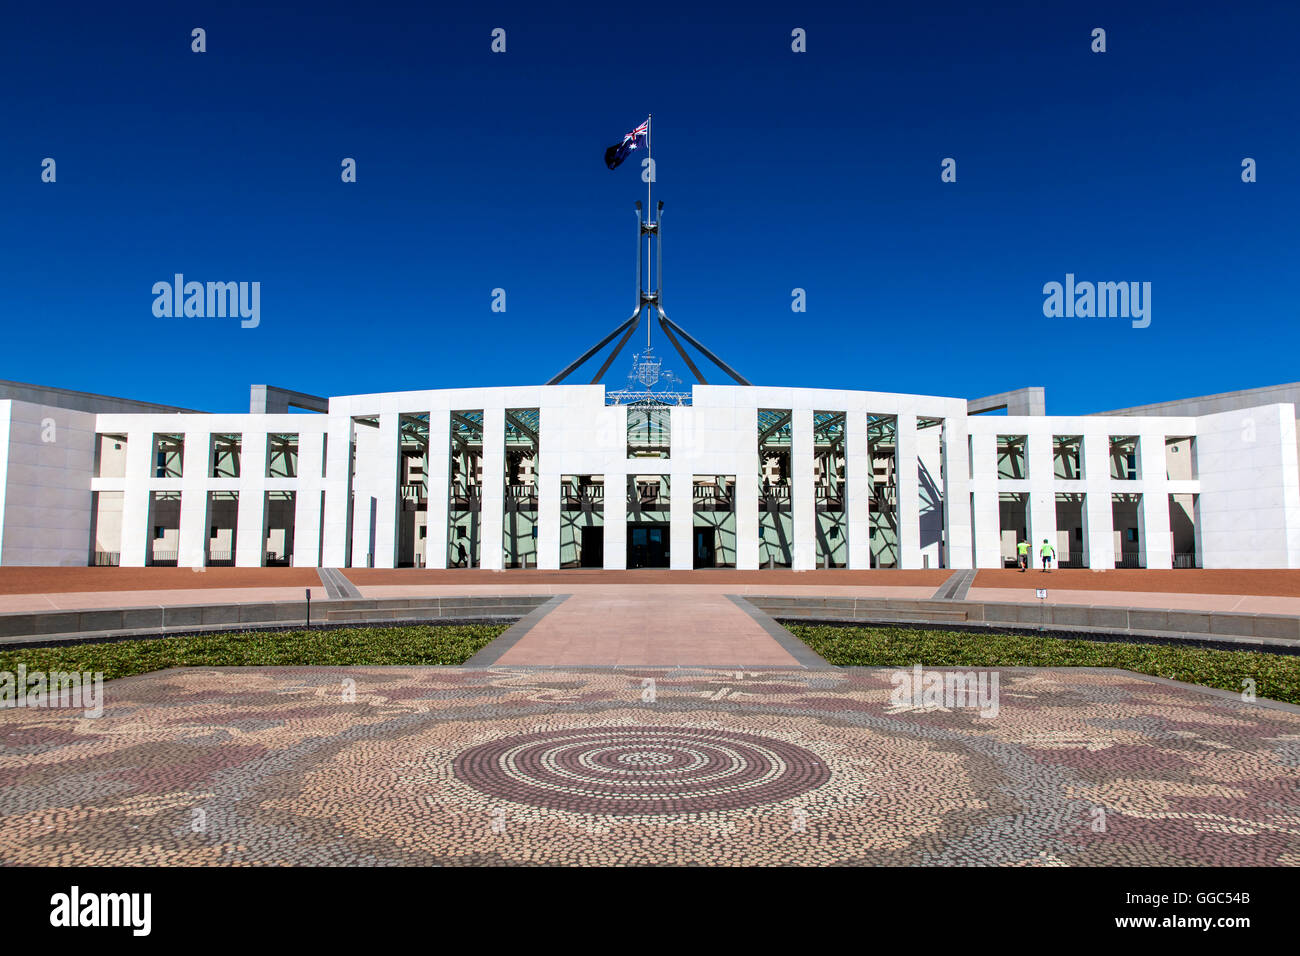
x=593 y=547
x=705 y=547
x=647 y=546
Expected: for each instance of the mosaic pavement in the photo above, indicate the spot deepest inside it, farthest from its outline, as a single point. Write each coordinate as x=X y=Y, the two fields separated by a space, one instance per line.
x=466 y=766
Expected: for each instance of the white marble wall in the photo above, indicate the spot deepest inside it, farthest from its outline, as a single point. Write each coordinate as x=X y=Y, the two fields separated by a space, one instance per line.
x=46 y=460
x=1250 y=488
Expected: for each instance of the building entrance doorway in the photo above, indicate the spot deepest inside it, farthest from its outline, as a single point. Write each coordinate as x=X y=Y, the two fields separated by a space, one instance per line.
x=647 y=546
x=706 y=547
x=593 y=547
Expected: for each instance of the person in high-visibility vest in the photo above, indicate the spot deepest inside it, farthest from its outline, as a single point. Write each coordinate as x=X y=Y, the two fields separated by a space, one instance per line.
x=1022 y=556
x=1047 y=552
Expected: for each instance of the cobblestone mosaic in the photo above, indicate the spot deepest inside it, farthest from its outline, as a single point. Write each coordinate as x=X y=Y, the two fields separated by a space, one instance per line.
x=461 y=766
x=641 y=770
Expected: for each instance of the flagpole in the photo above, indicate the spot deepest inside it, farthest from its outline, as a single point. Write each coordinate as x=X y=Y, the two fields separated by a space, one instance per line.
x=649 y=211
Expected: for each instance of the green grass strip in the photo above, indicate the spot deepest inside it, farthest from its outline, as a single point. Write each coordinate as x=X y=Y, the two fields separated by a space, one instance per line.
x=417 y=644
x=1276 y=676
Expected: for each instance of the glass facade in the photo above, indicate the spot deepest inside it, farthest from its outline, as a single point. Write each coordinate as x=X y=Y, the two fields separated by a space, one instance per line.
x=1124 y=458
x=882 y=449
x=1013 y=462
x=830 y=461
x=413 y=485
x=465 y=490
x=775 y=521
x=1067 y=456
x=226 y=453
x=713 y=502
x=519 y=526
x=282 y=455
x=648 y=526
x=168 y=455
x=649 y=431
x=582 y=521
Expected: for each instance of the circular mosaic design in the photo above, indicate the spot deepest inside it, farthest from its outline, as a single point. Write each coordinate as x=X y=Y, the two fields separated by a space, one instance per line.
x=641 y=770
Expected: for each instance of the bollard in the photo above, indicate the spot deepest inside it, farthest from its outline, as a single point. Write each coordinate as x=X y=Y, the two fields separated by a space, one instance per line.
x=309 y=609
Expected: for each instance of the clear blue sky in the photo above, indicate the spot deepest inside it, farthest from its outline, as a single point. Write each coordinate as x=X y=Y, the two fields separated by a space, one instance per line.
x=778 y=170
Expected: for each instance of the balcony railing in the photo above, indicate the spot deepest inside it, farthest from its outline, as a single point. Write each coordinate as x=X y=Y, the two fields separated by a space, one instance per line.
x=523 y=497
x=106 y=559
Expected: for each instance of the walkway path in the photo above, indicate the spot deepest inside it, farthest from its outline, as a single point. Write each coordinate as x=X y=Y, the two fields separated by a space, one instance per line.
x=623 y=625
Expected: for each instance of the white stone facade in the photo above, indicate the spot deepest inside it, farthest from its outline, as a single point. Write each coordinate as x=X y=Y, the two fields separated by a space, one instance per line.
x=1241 y=473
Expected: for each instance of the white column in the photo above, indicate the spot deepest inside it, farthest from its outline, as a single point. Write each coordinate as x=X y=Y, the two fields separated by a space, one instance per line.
x=857 y=489
x=615 y=520
x=338 y=490
x=909 y=494
x=438 y=476
x=1042 y=495
x=681 y=490
x=988 y=528
x=548 y=520
x=548 y=489
x=747 y=481
x=988 y=512
x=1155 y=547
x=196 y=464
x=385 y=476
x=306 y=500
x=803 y=501
x=135 y=498
x=1098 y=517
x=956 y=495
x=491 y=549
x=365 y=509
x=250 y=527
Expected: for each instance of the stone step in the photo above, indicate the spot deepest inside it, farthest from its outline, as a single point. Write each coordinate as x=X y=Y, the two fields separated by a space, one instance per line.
x=427 y=613
x=867 y=614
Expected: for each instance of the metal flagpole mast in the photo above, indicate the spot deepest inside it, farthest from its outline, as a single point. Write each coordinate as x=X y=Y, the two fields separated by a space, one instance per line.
x=649 y=301
x=649 y=211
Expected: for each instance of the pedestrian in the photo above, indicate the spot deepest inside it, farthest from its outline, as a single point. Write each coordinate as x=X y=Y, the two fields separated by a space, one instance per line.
x=1022 y=556
x=1048 y=553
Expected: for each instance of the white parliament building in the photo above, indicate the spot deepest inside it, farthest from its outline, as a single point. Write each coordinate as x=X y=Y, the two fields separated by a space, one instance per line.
x=570 y=476
x=655 y=474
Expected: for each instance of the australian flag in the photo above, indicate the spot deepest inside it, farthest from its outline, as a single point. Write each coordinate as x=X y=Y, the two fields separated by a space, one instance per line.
x=619 y=151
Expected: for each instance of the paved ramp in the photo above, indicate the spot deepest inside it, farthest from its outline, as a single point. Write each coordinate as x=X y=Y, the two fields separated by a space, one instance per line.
x=639 y=626
x=336 y=584
x=955 y=588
